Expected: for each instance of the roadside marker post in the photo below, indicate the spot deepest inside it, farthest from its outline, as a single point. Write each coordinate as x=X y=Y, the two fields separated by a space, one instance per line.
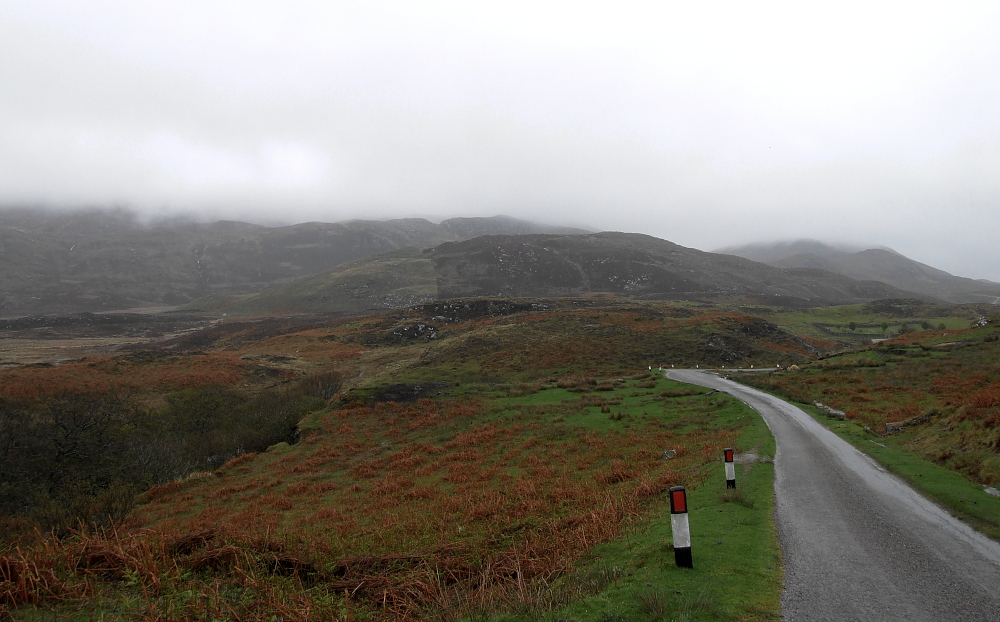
x=730 y=468
x=680 y=528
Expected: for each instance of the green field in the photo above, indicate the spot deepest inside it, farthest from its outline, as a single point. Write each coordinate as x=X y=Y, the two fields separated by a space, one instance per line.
x=835 y=322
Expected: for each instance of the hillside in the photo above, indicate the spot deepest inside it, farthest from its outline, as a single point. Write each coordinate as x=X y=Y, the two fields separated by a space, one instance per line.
x=629 y=264
x=926 y=404
x=428 y=348
x=70 y=262
x=488 y=458
x=476 y=458
x=875 y=264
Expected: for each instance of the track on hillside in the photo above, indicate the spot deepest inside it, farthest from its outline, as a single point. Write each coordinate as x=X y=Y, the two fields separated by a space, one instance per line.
x=858 y=543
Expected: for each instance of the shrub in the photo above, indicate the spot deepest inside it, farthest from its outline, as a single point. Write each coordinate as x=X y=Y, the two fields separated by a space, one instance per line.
x=323 y=386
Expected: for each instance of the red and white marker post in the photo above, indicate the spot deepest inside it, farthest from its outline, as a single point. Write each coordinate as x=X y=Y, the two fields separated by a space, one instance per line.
x=730 y=468
x=680 y=528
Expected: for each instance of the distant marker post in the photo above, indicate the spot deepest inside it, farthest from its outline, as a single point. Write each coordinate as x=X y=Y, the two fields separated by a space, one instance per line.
x=680 y=528
x=730 y=468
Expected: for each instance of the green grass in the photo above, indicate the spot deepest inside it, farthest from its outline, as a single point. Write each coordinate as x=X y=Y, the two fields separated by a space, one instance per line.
x=631 y=404
x=836 y=320
x=737 y=566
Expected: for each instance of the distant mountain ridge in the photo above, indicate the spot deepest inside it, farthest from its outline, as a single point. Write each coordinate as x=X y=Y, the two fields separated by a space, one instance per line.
x=72 y=262
x=67 y=262
x=878 y=264
x=542 y=265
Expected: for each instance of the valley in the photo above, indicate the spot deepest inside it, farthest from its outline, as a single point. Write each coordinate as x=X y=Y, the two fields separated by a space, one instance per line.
x=477 y=429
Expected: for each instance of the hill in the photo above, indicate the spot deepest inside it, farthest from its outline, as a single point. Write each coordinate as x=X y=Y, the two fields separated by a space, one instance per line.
x=630 y=264
x=876 y=264
x=70 y=262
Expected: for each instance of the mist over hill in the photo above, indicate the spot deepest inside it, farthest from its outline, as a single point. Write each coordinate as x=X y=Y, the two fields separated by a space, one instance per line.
x=629 y=264
x=98 y=260
x=88 y=261
x=877 y=264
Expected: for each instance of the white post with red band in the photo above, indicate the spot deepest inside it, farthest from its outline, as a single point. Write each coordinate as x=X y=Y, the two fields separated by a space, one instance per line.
x=680 y=528
x=730 y=468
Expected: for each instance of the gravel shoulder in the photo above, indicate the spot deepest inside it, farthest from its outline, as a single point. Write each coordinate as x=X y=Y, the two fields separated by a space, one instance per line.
x=858 y=543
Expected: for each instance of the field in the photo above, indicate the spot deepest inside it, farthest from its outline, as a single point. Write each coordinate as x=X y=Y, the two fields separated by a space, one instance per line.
x=476 y=459
x=50 y=340
x=857 y=324
x=491 y=506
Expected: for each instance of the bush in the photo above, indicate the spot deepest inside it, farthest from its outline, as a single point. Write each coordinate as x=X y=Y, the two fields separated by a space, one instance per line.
x=85 y=457
x=324 y=385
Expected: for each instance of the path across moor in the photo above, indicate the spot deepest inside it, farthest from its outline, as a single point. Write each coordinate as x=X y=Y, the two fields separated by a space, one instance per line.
x=858 y=543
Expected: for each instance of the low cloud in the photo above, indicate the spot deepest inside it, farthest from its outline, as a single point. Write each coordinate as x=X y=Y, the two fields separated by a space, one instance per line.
x=708 y=128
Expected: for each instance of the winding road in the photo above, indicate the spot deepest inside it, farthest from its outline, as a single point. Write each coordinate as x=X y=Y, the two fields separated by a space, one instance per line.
x=858 y=543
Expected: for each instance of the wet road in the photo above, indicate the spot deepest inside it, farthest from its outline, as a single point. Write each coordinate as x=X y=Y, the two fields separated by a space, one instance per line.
x=858 y=543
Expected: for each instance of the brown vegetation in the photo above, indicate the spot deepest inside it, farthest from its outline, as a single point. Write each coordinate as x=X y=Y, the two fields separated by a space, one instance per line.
x=944 y=400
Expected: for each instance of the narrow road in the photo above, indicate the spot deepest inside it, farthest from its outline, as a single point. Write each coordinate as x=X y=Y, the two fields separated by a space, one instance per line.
x=858 y=543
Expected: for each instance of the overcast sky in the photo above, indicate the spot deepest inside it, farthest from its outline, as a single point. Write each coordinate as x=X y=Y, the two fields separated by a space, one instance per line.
x=705 y=123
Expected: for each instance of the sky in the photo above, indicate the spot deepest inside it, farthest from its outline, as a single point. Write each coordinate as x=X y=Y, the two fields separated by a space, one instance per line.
x=707 y=124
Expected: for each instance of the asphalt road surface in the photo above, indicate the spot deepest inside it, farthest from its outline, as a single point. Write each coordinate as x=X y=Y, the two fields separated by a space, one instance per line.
x=858 y=543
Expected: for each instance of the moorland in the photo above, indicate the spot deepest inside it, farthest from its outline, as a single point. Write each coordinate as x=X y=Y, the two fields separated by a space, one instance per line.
x=476 y=429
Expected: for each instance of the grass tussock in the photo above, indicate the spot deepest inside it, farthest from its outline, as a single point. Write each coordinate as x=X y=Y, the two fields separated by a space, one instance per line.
x=681 y=392
x=738 y=496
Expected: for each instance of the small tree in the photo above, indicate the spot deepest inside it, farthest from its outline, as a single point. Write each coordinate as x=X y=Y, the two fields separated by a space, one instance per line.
x=941 y=326
x=925 y=325
x=853 y=326
x=885 y=326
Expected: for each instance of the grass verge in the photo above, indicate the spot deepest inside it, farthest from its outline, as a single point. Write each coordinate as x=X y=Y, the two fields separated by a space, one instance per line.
x=965 y=500
x=737 y=571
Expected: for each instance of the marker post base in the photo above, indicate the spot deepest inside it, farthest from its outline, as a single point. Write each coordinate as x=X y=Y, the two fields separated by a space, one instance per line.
x=682 y=557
